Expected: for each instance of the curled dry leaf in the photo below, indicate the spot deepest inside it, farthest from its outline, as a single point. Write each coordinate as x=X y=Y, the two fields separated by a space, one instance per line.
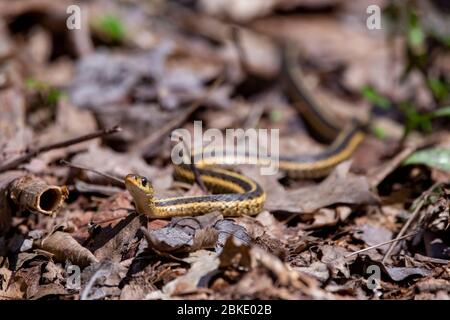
x=64 y=247
x=34 y=194
x=397 y=274
x=402 y=273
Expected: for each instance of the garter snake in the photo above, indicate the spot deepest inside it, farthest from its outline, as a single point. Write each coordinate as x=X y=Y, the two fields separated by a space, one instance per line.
x=234 y=194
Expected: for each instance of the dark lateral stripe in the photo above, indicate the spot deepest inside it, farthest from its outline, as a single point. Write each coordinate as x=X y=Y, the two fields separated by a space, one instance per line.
x=212 y=198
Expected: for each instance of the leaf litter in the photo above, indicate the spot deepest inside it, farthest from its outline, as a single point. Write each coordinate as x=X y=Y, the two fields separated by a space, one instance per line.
x=386 y=208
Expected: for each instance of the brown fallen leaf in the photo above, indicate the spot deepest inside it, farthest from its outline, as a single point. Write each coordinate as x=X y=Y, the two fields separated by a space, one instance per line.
x=402 y=273
x=29 y=282
x=397 y=274
x=64 y=247
x=113 y=243
x=24 y=259
x=235 y=255
x=245 y=258
x=373 y=235
x=12 y=290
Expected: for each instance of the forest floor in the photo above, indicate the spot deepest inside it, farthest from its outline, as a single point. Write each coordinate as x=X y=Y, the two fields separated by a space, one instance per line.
x=106 y=97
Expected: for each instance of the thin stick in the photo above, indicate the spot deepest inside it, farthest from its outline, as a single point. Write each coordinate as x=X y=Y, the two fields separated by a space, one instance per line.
x=76 y=166
x=35 y=152
x=410 y=220
x=381 y=244
x=107 y=220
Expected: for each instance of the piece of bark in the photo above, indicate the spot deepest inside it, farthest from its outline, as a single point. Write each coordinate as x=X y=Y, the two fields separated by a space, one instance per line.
x=5 y=205
x=34 y=194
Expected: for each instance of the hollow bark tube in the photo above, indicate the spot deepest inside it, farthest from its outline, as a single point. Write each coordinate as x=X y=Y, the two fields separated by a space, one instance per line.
x=35 y=195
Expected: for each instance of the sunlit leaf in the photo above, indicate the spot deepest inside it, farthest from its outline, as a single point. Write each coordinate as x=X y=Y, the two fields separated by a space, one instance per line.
x=112 y=28
x=374 y=97
x=379 y=132
x=439 y=88
x=442 y=112
x=434 y=157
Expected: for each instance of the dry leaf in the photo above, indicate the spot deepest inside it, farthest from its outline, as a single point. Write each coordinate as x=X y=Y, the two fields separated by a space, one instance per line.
x=340 y=186
x=373 y=235
x=64 y=247
x=113 y=243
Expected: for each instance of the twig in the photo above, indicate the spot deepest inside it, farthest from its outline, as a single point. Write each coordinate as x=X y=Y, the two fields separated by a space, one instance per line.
x=76 y=166
x=146 y=146
x=99 y=222
x=35 y=152
x=381 y=244
x=410 y=220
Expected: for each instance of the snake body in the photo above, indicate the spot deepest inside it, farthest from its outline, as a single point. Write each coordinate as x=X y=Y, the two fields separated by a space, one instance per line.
x=235 y=194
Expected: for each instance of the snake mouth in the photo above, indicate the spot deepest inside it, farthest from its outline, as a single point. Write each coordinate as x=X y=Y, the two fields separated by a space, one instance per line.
x=132 y=180
x=130 y=177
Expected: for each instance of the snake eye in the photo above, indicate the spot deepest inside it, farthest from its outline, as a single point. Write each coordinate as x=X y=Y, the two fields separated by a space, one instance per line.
x=144 y=182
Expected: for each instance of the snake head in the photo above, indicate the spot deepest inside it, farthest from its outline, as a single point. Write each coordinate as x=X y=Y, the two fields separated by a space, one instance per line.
x=141 y=190
x=139 y=183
